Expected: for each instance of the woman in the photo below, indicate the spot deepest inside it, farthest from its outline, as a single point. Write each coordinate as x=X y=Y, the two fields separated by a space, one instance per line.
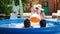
x=38 y=9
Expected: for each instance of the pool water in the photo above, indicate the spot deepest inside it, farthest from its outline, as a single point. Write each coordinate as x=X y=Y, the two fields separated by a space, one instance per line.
x=15 y=26
x=21 y=25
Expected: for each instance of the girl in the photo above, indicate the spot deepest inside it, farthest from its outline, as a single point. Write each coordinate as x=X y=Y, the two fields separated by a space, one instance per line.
x=39 y=11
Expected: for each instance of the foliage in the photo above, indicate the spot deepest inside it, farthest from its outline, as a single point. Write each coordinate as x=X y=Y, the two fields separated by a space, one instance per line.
x=4 y=7
x=25 y=2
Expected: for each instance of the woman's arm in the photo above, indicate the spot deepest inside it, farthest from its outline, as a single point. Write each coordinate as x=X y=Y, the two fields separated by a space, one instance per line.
x=42 y=15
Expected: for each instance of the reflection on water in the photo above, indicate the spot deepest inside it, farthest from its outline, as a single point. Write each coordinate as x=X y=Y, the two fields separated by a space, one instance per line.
x=20 y=25
x=49 y=25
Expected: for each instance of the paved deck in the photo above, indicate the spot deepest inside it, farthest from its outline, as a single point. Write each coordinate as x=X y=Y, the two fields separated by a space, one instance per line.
x=27 y=15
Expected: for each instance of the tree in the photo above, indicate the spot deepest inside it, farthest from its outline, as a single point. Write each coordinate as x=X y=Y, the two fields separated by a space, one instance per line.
x=4 y=8
x=25 y=2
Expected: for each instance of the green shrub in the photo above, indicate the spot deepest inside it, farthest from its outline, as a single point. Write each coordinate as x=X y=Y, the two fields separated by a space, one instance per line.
x=4 y=7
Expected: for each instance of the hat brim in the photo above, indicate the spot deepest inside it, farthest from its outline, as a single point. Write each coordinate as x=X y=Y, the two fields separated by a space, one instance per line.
x=41 y=9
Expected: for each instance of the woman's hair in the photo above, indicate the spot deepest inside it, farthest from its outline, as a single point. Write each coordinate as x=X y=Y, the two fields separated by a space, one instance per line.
x=26 y=23
x=42 y=23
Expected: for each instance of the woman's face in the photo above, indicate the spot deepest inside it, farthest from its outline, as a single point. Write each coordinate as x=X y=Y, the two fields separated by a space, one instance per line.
x=38 y=10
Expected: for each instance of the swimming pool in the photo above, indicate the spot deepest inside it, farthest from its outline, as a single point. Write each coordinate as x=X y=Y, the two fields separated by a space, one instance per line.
x=54 y=29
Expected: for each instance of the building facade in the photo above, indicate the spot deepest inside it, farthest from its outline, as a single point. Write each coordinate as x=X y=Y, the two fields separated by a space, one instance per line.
x=50 y=6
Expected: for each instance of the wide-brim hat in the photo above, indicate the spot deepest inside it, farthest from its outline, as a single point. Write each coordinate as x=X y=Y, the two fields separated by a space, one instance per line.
x=39 y=6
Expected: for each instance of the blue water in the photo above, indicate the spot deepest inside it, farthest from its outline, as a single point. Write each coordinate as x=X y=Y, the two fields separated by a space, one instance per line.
x=20 y=25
